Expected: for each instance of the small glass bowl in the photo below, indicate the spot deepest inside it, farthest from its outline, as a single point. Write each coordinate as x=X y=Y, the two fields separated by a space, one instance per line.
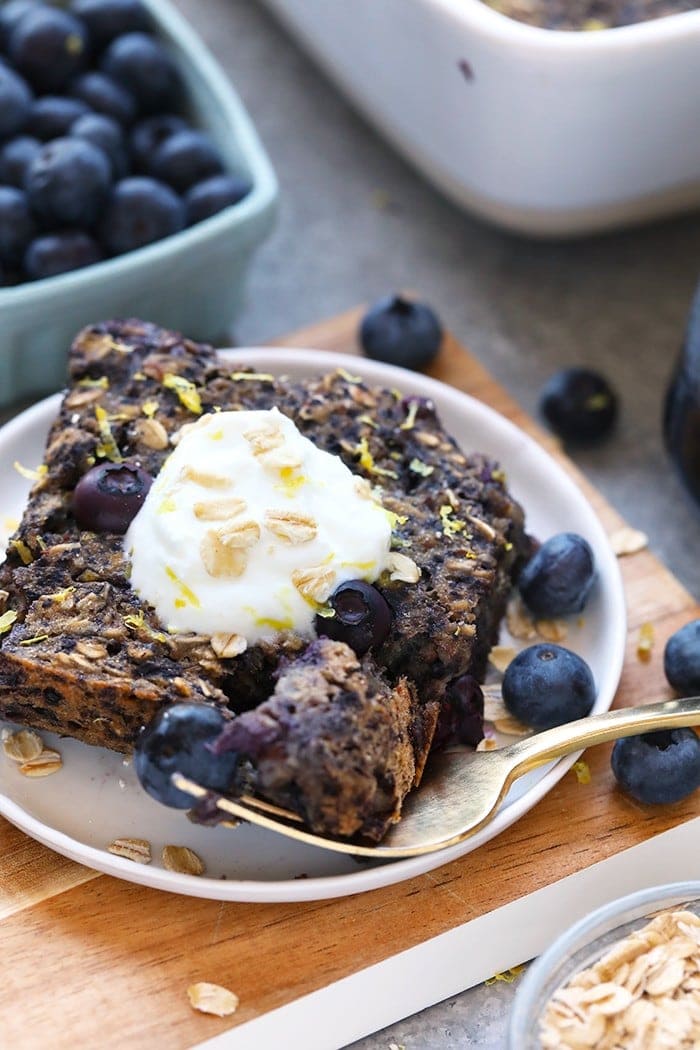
x=580 y=946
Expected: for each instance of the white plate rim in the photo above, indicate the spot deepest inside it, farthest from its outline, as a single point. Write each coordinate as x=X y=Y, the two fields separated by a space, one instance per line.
x=274 y=359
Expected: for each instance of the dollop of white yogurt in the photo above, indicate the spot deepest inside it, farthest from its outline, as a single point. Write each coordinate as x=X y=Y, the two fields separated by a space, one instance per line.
x=249 y=528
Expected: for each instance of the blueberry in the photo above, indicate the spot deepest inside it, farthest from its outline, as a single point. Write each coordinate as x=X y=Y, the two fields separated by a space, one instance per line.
x=107 y=19
x=213 y=195
x=60 y=252
x=52 y=115
x=579 y=405
x=15 y=158
x=16 y=224
x=148 y=135
x=461 y=717
x=546 y=685
x=48 y=46
x=10 y=15
x=362 y=616
x=15 y=102
x=139 y=211
x=104 y=95
x=185 y=158
x=176 y=742
x=107 y=135
x=68 y=183
x=400 y=332
x=109 y=496
x=146 y=69
x=682 y=659
x=658 y=767
x=557 y=580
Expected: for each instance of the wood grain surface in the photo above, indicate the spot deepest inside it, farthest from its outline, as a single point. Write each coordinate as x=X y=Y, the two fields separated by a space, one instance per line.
x=90 y=961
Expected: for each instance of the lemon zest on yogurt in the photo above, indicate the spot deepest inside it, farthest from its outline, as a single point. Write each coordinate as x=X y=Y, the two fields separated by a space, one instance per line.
x=186 y=592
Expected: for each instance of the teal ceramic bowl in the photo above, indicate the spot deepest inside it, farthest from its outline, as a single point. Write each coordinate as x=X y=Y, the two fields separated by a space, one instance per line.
x=192 y=281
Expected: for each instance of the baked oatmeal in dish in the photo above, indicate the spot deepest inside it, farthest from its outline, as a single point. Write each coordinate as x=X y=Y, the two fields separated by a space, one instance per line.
x=255 y=502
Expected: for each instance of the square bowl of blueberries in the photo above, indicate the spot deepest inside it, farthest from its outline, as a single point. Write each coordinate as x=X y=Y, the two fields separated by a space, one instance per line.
x=132 y=181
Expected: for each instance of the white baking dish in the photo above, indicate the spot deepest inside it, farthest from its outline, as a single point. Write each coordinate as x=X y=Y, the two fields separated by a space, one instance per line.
x=543 y=132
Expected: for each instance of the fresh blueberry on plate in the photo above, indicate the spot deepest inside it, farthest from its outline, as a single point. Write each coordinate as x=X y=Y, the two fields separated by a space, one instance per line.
x=211 y=196
x=546 y=685
x=16 y=225
x=60 y=252
x=68 y=183
x=48 y=46
x=579 y=405
x=682 y=659
x=658 y=767
x=148 y=135
x=399 y=331
x=557 y=580
x=52 y=115
x=140 y=210
x=145 y=68
x=107 y=19
x=16 y=156
x=109 y=496
x=361 y=616
x=15 y=102
x=185 y=158
x=104 y=95
x=176 y=742
x=107 y=135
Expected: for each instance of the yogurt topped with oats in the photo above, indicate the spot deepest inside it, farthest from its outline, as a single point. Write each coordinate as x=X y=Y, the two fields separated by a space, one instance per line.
x=249 y=528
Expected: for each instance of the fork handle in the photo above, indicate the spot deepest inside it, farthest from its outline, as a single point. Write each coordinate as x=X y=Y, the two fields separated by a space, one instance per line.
x=533 y=751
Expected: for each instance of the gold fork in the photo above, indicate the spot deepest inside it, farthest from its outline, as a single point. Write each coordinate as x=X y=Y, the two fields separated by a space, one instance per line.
x=461 y=792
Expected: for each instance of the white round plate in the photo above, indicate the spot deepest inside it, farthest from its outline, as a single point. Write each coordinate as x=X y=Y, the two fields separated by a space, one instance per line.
x=96 y=798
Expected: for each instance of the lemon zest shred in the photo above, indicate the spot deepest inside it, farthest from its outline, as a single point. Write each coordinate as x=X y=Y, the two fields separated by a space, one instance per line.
x=645 y=642
x=286 y=624
x=419 y=467
x=395 y=519
x=31 y=474
x=95 y=384
x=23 y=550
x=35 y=640
x=134 y=620
x=107 y=447
x=186 y=592
x=263 y=377
x=508 y=976
x=60 y=596
x=450 y=526
x=149 y=408
x=582 y=771
x=410 y=420
x=348 y=376
x=186 y=391
x=367 y=460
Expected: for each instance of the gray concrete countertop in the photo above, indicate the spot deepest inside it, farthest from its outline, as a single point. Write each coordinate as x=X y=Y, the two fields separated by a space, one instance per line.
x=525 y=308
x=617 y=303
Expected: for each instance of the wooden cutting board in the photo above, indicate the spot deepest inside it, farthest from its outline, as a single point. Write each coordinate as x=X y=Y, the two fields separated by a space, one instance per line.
x=92 y=961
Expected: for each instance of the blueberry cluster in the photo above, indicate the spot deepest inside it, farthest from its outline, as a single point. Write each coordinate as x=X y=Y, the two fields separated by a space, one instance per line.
x=96 y=158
